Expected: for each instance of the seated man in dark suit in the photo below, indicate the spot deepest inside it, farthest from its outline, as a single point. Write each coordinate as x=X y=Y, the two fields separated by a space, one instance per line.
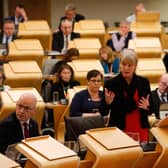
x=8 y=33
x=159 y=95
x=62 y=37
x=70 y=14
x=19 y=125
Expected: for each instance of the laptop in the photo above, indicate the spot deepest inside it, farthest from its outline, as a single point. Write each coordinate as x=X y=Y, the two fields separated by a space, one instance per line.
x=163 y=113
x=3 y=49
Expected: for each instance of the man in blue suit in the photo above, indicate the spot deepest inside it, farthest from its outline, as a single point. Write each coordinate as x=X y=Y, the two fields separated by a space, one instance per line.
x=19 y=125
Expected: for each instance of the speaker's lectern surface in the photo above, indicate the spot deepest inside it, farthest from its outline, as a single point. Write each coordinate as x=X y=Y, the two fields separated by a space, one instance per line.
x=46 y=152
x=110 y=147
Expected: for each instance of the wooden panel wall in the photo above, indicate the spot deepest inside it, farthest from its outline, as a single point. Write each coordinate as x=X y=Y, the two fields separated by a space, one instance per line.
x=36 y=9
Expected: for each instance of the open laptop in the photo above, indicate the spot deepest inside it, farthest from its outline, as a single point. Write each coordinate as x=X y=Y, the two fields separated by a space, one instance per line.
x=3 y=49
x=163 y=111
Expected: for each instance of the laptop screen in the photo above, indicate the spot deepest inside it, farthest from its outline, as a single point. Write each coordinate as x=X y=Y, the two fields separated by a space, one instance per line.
x=163 y=110
x=3 y=49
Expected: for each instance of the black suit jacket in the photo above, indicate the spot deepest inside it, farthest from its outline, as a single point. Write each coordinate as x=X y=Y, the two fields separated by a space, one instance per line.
x=77 y=18
x=1 y=37
x=155 y=103
x=21 y=19
x=123 y=102
x=58 y=40
x=11 y=131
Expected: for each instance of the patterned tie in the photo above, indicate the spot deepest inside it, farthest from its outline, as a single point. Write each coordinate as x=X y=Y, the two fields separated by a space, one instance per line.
x=26 y=131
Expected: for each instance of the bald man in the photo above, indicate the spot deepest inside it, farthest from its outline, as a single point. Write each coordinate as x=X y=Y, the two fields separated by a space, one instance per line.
x=159 y=95
x=19 y=124
x=63 y=36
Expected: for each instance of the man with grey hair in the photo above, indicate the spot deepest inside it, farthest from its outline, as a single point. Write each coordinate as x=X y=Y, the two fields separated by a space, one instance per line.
x=70 y=14
x=159 y=95
x=63 y=36
x=19 y=125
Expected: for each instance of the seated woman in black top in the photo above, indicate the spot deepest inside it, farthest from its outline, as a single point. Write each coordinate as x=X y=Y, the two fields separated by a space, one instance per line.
x=65 y=81
x=88 y=102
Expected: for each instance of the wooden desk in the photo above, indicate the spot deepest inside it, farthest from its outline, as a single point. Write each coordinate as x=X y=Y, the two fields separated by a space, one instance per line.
x=151 y=68
x=36 y=29
x=88 y=47
x=110 y=147
x=147 y=29
x=23 y=74
x=8 y=163
x=59 y=113
x=25 y=50
x=91 y=28
x=146 y=47
x=161 y=134
x=10 y=98
x=81 y=67
x=43 y=152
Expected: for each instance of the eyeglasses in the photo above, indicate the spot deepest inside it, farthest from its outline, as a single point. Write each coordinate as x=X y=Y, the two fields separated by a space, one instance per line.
x=26 y=108
x=96 y=81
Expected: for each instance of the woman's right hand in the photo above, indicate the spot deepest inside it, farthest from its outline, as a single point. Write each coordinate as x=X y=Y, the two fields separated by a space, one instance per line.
x=109 y=96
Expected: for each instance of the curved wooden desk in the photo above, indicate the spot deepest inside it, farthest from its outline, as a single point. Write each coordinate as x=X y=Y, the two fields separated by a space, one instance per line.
x=161 y=134
x=88 y=47
x=8 y=163
x=10 y=98
x=26 y=49
x=91 y=28
x=81 y=67
x=151 y=68
x=46 y=152
x=23 y=74
x=110 y=147
x=36 y=29
x=146 y=47
x=59 y=113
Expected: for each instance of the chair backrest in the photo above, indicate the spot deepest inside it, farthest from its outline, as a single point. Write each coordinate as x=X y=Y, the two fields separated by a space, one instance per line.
x=48 y=66
x=76 y=126
x=46 y=90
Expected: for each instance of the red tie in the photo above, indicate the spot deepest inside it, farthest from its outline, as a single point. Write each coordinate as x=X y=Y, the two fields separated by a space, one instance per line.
x=26 y=131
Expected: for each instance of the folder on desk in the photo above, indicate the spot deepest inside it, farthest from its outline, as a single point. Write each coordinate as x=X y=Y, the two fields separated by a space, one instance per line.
x=48 y=147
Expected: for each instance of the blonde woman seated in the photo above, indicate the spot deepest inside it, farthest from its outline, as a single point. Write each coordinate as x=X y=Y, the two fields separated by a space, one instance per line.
x=88 y=102
x=109 y=60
